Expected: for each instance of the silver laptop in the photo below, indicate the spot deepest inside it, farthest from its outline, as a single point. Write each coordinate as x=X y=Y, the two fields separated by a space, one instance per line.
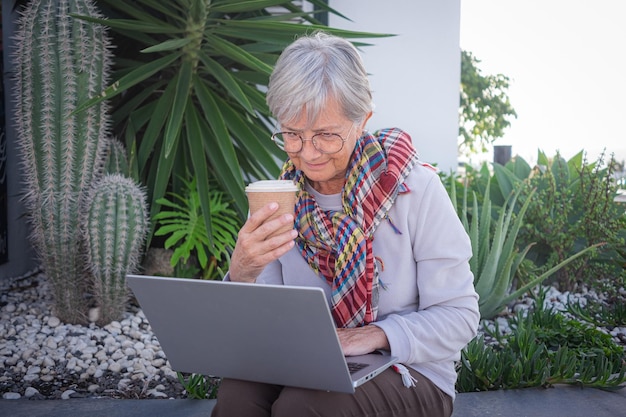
x=275 y=334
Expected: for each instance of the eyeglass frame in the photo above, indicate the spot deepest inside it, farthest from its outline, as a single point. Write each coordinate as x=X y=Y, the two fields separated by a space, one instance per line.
x=302 y=140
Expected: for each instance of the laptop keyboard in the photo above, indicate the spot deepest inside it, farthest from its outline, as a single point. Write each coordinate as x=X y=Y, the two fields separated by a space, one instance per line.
x=355 y=366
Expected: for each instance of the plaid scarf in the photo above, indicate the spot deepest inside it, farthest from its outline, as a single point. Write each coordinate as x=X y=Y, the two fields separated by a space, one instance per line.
x=339 y=245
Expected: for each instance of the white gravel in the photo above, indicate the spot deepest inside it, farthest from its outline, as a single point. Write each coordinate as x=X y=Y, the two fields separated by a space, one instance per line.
x=44 y=358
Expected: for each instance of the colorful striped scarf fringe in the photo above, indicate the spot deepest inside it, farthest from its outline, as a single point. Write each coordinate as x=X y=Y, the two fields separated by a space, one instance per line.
x=339 y=245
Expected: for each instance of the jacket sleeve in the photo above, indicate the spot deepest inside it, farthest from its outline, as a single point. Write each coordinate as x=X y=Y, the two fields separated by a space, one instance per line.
x=447 y=316
x=271 y=274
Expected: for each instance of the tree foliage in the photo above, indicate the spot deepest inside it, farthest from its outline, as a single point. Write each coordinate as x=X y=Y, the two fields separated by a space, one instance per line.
x=485 y=108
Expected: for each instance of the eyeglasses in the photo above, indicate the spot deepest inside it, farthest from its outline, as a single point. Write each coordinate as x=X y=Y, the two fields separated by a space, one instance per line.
x=324 y=142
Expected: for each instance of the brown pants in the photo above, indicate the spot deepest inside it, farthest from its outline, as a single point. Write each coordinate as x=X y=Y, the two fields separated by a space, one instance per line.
x=383 y=396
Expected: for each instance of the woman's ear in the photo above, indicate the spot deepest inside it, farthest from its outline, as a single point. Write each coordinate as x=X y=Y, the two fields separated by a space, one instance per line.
x=365 y=120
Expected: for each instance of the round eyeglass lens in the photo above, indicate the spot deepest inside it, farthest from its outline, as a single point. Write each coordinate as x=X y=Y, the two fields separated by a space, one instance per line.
x=327 y=142
x=287 y=141
x=323 y=142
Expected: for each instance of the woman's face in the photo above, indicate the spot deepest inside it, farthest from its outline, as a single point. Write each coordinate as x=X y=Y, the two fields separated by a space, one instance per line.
x=325 y=172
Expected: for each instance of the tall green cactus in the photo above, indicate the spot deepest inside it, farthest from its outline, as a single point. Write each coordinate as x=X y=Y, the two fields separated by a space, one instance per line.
x=116 y=229
x=60 y=62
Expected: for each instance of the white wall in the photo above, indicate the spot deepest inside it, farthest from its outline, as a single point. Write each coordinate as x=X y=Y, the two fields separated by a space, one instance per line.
x=415 y=75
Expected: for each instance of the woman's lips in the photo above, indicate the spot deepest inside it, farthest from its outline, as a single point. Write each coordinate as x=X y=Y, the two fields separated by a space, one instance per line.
x=315 y=166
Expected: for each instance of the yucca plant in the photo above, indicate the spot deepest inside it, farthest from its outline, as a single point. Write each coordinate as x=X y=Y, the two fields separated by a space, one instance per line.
x=193 y=74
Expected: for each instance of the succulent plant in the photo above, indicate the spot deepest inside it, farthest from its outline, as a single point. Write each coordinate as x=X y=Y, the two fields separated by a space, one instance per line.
x=60 y=62
x=117 y=222
x=116 y=160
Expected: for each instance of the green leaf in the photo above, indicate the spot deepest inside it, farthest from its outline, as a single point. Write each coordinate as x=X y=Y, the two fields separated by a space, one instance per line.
x=130 y=80
x=169 y=45
x=160 y=175
x=237 y=54
x=506 y=181
x=155 y=126
x=542 y=158
x=257 y=141
x=194 y=141
x=514 y=295
x=123 y=111
x=576 y=162
x=475 y=262
x=519 y=167
x=281 y=33
x=243 y=6
x=560 y=171
x=213 y=116
x=323 y=5
x=134 y=25
x=135 y=9
x=176 y=114
x=229 y=83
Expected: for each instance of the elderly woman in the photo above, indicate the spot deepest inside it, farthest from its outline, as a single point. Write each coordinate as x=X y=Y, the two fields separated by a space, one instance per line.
x=374 y=228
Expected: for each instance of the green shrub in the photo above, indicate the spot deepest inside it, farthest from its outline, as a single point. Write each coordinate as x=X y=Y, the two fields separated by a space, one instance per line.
x=544 y=348
x=611 y=314
x=555 y=330
x=574 y=208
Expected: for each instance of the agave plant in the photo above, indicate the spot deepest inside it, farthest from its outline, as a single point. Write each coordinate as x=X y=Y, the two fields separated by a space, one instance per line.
x=193 y=73
x=496 y=258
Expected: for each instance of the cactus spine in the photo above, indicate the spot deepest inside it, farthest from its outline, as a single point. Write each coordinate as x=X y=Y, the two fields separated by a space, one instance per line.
x=60 y=62
x=116 y=160
x=116 y=227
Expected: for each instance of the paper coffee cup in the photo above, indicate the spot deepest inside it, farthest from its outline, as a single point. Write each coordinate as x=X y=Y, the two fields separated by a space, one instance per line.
x=283 y=192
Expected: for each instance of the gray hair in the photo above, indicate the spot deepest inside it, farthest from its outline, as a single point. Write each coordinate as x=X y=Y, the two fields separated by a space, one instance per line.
x=313 y=69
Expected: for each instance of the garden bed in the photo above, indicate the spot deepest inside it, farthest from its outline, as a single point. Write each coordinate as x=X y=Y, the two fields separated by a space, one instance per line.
x=43 y=358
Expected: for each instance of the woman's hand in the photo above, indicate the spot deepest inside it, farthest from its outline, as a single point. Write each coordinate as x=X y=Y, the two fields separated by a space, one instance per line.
x=362 y=340
x=253 y=250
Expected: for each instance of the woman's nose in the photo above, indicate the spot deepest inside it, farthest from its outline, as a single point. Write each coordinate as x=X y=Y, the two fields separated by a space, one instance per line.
x=308 y=147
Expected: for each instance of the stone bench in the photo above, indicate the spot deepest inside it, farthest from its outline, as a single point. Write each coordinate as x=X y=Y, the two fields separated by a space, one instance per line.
x=562 y=401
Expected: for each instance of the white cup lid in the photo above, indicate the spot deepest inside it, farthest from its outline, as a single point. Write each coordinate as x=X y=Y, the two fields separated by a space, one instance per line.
x=272 y=185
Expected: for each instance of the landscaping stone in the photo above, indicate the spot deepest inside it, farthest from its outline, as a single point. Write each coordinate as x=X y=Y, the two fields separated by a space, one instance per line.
x=43 y=358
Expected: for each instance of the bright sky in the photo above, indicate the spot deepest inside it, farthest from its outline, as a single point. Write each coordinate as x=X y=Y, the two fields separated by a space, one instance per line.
x=566 y=60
